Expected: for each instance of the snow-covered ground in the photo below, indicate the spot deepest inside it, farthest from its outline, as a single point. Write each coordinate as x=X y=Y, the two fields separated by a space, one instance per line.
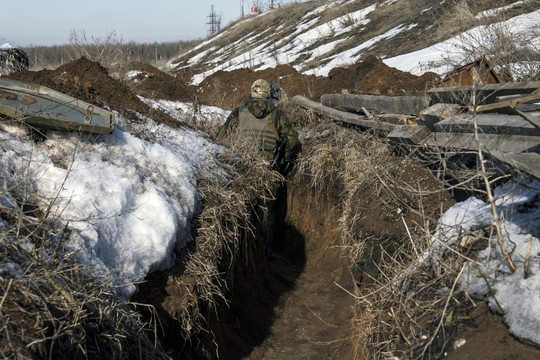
x=128 y=201
x=299 y=44
x=515 y=294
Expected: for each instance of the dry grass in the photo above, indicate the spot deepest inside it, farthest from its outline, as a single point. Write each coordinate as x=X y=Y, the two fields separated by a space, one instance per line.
x=515 y=56
x=51 y=307
x=235 y=208
x=403 y=311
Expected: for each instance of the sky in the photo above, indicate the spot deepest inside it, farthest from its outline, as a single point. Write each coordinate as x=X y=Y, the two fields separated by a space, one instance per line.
x=39 y=22
x=128 y=201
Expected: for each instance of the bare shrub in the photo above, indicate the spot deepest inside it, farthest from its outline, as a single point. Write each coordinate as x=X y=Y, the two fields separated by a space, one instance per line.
x=53 y=307
x=235 y=208
x=514 y=54
x=106 y=50
x=50 y=57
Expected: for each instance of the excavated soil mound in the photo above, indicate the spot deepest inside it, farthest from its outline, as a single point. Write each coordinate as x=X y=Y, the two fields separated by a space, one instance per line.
x=228 y=89
x=373 y=76
x=153 y=83
x=89 y=81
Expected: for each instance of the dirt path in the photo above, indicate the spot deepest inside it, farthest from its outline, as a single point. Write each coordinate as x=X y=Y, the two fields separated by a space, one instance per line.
x=313 y=320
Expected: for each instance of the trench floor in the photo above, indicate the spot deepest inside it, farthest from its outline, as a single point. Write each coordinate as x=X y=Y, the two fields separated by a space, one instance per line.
x=315 y=319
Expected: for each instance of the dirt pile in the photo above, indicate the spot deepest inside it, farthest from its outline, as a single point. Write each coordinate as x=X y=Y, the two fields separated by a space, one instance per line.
x=228 y=89
x=150 y=82
x=373 y=76
x=89 y=81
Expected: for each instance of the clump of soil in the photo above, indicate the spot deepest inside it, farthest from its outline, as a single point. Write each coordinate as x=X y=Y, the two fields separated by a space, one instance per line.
x=373 y=76
x=229 y=89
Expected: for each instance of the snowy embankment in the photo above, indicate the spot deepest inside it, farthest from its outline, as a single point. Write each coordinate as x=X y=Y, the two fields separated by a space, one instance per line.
x=516 y=294
x=127 y=200
x=300 y=44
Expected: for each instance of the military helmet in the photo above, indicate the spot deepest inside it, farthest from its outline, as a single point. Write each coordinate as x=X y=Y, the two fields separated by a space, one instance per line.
x=260 y=89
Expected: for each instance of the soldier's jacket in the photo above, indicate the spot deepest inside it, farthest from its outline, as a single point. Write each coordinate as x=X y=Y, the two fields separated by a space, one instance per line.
x=262 y=110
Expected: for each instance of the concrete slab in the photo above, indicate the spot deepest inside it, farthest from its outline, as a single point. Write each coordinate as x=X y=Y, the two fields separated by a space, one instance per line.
x=528 y=163
x=489 y=142
x=411 y=105
x=488 y=124
x=437 y=112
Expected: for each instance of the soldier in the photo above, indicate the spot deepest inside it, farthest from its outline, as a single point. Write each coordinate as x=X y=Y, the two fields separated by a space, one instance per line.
x=262 y=121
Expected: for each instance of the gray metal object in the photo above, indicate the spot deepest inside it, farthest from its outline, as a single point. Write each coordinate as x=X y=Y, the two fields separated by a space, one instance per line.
x=40 y=106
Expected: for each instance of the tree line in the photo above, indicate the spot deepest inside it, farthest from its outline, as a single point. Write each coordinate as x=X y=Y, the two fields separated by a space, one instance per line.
x=50 y=57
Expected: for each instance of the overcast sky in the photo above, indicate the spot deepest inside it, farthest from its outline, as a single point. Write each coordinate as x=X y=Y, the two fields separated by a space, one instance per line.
x=49 y=22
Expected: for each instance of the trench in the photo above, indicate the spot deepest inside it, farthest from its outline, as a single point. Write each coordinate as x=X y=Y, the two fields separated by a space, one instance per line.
x=291 y=302
x=314 y=316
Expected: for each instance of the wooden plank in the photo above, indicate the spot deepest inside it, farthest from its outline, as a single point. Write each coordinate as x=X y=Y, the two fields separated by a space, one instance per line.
x=525 y=87
x=507 y=103
x=488 y=124
x=514 y=149
x=485 y=94
x=399 y=104
x=528 y=107
x=532 y=117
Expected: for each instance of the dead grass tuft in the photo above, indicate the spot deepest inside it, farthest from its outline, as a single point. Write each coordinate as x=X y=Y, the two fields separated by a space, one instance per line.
x=407 y=308
x=235 y=208
x=51 y=307
x=515 y=56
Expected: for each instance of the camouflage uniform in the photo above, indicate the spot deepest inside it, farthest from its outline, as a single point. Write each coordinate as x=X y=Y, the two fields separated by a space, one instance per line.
x=260 y=119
